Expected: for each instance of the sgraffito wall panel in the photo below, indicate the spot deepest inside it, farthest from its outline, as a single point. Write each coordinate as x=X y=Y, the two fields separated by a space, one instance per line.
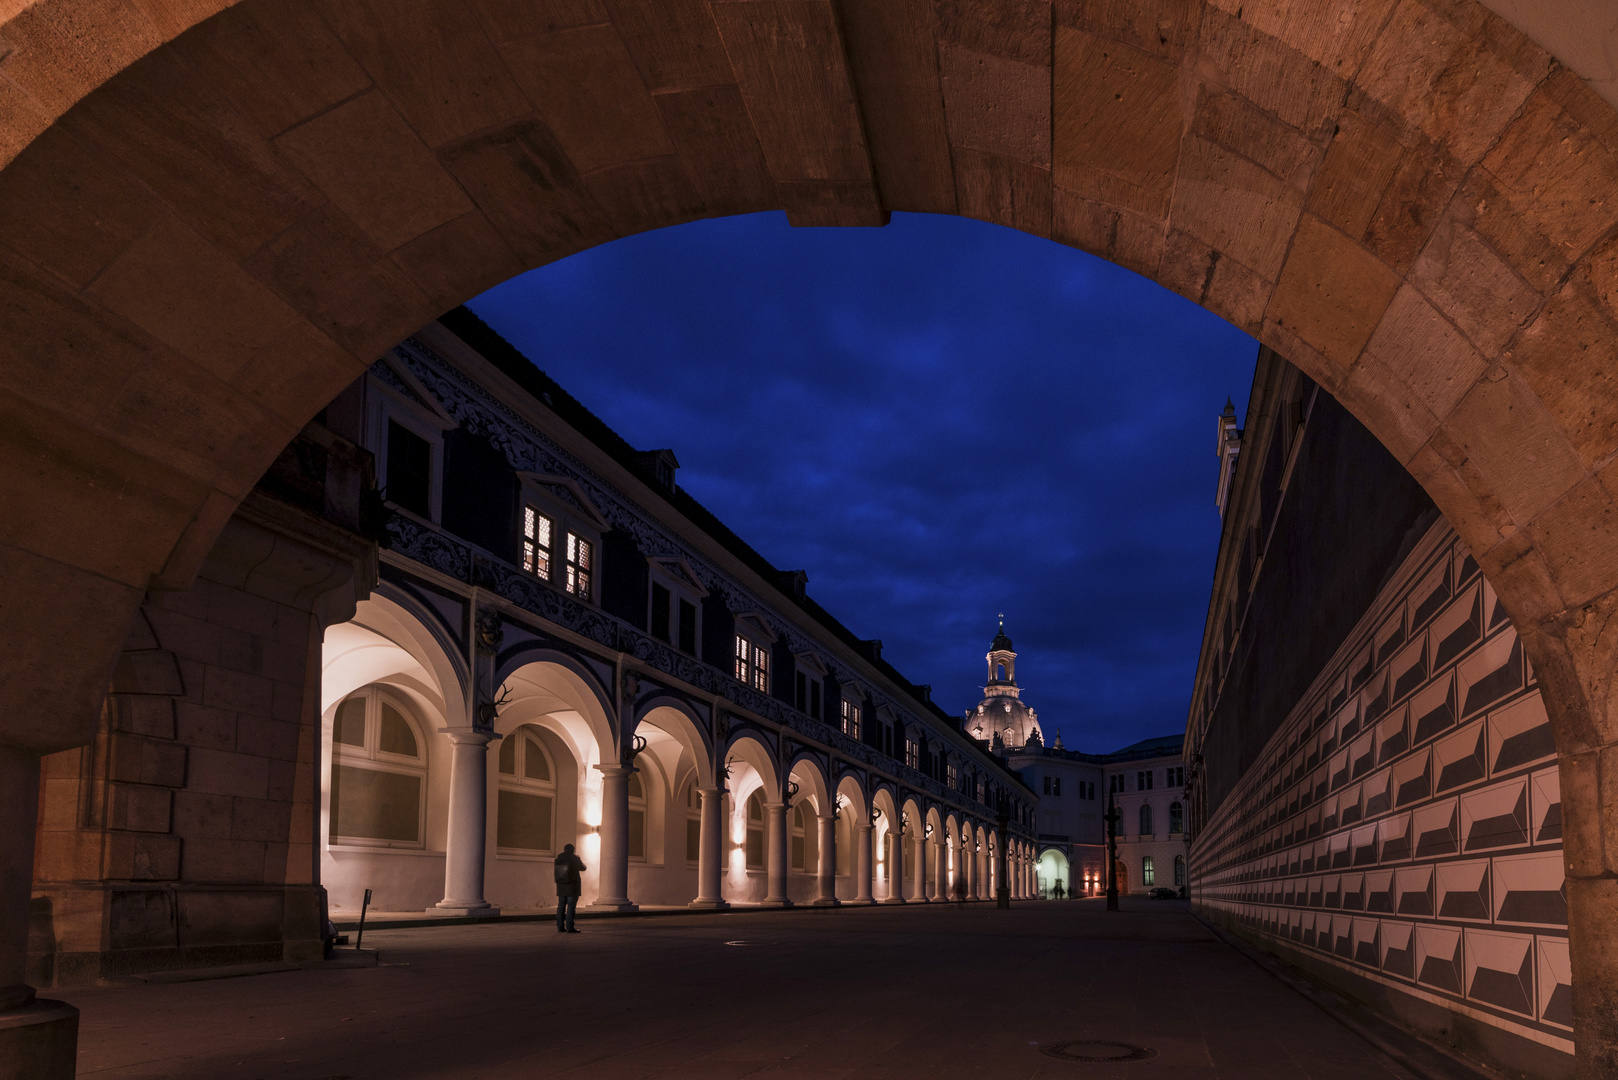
x=1404 y=822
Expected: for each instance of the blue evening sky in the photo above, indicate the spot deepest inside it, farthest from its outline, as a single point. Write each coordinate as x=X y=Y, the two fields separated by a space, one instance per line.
x=938 y=420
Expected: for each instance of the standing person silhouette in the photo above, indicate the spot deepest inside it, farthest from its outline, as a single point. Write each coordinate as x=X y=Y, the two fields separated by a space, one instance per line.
x=568 y=886
x=1061 y=893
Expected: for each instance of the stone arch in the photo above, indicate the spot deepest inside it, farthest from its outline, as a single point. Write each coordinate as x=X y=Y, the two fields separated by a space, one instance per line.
x=805 y=770
x=851 y=795
x=196 y=257
x=748 y=748
x=555 y=685
x=682 y=728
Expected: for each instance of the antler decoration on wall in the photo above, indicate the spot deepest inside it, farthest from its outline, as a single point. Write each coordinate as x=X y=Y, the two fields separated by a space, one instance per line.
x=489 y=711
x=636 y=747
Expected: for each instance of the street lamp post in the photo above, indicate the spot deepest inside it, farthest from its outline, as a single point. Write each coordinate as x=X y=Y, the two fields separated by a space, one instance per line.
x=1111 y=818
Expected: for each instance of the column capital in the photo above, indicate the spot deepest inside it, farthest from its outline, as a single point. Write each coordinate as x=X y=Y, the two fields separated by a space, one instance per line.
x=615 y=770
x=865 y=826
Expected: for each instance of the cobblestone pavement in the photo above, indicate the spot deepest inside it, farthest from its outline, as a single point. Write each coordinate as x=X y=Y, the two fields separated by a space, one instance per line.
x=864 y=994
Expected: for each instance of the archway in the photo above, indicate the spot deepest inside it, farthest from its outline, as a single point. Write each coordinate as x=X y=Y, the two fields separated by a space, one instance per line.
x=199 y=252
x=1053 y=868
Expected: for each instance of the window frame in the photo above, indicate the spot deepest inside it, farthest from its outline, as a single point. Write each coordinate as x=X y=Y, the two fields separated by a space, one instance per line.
x=685 y=590
x=572 y=518
x=421 y=416
x=373 y=758
x=756 y=671
x=518 y=781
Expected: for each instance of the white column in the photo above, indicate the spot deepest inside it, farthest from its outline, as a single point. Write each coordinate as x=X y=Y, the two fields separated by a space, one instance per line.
x=775 y=824
x=969 y=858
x=862 y=864
x=921 y=866
x=941 y=872
x=828 y=862
x=896 y=868
x=612 y=881
x=711 y=850
x=468 y=823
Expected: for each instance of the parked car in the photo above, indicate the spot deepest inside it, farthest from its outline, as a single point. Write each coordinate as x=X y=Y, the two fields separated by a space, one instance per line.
x=1163 y=892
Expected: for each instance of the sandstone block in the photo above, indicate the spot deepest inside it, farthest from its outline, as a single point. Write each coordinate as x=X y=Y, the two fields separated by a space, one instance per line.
x=436 y=64
x=219 y=773
x=288 y=703
x=1558 y=177
x=186 y=634
x=271 y=739
x=1018 y=30
x=1004 y=191
x=283 y=781
x=278 y=65
x=148 y=671
x=1531 y=471
x=459 y=259
x=200 y=816
x=1116 y=235
x=140 y=919
x=1583 y=841
x=1236 y=124
x=235 y=861
x=259 y=819
x=1382 y=401
x=1431 y=358
x=343 y=283
x=1117 y=129
x=995 y=105
x=375 y=169
x=1578 y=536
x=200 y=725
x=237 y=691
x=714 y=138
x=162 y=763
x=1338 y=36
x=196 y=152
x=675 y=43
x=1474 y=285
x=207 y=917
x=1165 y=28
x=143 y=856
x=644 y=195
x=1274 y=75
x=44 y=196
x=139 y=808
x=1331 y=292
x=590 y=94
x=1235 y=207
x=1222 y=285
x=140 y=715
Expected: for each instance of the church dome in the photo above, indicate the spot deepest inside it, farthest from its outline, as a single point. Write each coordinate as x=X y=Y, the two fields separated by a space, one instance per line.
x=1002 y=713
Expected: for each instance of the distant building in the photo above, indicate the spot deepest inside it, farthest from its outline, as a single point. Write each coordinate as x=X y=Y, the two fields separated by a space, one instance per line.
x=1146 y=779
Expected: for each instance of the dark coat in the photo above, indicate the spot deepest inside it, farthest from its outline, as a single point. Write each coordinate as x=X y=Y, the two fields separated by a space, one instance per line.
x=568 y=869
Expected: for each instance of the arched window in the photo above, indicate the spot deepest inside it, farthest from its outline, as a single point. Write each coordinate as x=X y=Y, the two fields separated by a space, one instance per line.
x=1000 y=672
x=1148 y=876
x=755 y=832
x=1179 y=870
x=1146 y=819
x=693 y=823
x=637 y=817
x=1176 y=818
x=799 y=838
x=378 y=771
x=527 y=797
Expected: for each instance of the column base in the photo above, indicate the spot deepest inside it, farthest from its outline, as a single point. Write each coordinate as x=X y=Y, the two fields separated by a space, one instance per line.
x=776 y=901
x=863 y=900
x=710 y=905
x=893 y=900
x=39 y=1041
x=827 y=902
x=454 y=907
x=612 y=905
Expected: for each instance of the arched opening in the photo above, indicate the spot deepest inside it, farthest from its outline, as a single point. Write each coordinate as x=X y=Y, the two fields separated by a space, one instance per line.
x=1055 y=875
x=1368 y=284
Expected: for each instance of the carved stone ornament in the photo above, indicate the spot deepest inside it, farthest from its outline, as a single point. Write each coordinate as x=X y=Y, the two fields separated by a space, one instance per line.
x=489 y=634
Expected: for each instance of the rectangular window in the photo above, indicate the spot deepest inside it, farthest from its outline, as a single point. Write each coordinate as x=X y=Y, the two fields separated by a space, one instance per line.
x=851 y=719
x=1143 y=780
x=1047 y=785
x=580 y=565
x=951 y=776
x=410 y=470
x=1056 y=785
x=536 y=543
x=814 y=699
x=752 y=665
x=1148 y=873
x=660 y=612
x=688 y=627
x=912 y=753
x=800 y=699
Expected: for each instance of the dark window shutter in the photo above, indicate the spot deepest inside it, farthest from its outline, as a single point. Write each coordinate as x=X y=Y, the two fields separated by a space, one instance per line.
x=688 y=627
x=718 y=633
x=624 y=578
x=660 y=612
x=782 y=681
x=410 y=465
x=831 y=696
x=480 y=492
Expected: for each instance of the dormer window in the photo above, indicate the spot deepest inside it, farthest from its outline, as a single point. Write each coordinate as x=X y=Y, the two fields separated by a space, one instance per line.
x=580 y=565
x=561 y=533
x=537 y=530
x=851 y=719
x=405 y=428
x=752 y=664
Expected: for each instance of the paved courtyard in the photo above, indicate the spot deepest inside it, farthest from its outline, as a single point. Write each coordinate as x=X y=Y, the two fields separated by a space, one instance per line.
x=871 y=993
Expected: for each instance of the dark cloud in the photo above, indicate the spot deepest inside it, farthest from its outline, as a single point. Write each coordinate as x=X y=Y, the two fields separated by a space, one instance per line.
x=938 y=420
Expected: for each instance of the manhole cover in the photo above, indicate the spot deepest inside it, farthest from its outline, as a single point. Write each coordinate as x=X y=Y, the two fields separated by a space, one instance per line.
x=1096 y=1050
